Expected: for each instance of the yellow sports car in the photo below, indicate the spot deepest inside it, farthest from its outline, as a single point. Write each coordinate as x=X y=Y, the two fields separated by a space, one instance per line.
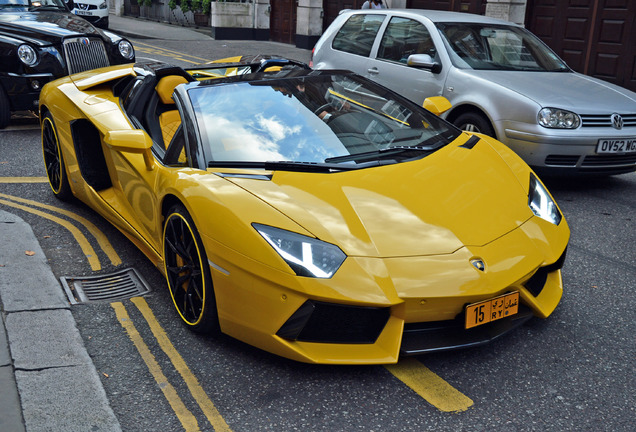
x=313 y=214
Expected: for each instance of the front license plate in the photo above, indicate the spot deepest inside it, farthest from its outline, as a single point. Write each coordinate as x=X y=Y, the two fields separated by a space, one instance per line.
x=85 y=13
x=492 y=309
x=626 y=145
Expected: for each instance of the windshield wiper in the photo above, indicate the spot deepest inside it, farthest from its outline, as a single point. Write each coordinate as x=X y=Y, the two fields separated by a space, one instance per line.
x=295 y=165
x=384 y=152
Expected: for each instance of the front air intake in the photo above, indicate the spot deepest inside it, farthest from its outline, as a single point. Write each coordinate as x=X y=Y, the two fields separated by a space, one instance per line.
x=334 y=323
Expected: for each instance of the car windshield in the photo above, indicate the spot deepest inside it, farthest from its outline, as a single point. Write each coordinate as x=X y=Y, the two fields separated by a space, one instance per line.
x=314 y=119
x=499 y=47
x=31 y=4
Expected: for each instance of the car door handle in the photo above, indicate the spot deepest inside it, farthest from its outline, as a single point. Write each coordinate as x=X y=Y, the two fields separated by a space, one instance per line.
x=373 y=71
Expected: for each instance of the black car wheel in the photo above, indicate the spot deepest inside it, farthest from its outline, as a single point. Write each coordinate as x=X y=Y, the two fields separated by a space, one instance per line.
x=473 y=122
x=187 y=272
x=5 y=109
x=53 y=160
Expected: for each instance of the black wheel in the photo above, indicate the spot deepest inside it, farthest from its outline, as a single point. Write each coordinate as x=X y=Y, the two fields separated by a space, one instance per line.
x=5 y=109
x=188 y=273
x=53 y=160
x=474 y=122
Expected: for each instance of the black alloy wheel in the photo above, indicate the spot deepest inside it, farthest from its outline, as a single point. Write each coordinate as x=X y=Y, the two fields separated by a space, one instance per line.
x=188 y=273
x=53 y=160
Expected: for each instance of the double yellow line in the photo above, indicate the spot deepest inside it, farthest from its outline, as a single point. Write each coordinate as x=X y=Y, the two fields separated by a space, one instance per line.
x=187 y=419
x=33 y=208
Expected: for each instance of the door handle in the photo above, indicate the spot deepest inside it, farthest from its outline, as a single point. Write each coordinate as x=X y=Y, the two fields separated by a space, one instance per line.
x=373 y=71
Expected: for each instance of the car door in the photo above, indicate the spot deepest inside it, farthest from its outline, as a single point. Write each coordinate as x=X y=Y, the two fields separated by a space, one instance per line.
x=387 y=65
x=353 y=43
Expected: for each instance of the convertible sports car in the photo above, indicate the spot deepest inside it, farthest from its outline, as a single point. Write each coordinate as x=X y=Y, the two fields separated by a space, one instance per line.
x=313 y=214
x=41 y=41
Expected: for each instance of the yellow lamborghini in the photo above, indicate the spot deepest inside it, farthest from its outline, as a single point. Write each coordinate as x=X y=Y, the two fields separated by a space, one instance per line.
x=313 y=214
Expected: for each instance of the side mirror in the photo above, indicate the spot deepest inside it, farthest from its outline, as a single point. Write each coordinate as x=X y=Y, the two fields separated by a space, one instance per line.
x=131 y=141
x=424 y=61
x=438 y=105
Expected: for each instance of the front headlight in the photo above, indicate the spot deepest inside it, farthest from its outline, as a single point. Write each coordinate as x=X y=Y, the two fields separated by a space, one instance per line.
x=306 y=256
x=126 y=49
x=27 y=55
x=541 y=203
x=103 y=5
x=555 y=118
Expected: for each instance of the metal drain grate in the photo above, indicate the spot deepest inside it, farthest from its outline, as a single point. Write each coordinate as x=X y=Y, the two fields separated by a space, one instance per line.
x=120 y=285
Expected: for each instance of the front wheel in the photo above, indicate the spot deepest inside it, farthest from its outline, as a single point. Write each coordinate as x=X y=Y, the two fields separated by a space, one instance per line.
x=188 y=273
x=473 y=122
x=53 y=160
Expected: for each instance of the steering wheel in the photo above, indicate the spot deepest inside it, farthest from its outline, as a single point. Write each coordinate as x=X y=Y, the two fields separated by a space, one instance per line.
x=323 y=108
x=277 y=62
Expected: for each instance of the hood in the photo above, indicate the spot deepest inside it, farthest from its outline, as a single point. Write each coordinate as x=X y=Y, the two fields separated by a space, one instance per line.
x=435 y=205
x=46 y=27
x=567 y=90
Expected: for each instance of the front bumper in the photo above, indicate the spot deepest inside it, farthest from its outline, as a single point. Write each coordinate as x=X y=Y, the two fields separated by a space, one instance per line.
x=425 y=298
x=24 y=90
x=563 y=152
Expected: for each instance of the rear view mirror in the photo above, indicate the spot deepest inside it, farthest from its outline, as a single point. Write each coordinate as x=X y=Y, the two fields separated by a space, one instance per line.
x=131 y=141
x=424 y=61
x=438 y=105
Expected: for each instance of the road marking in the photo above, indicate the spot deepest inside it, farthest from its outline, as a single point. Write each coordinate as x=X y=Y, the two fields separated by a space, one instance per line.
x=24 y=180
x=151 y=49
x=101 y=238
x=430 y=386
x=187 y=419
x=86 y=247
x=208 y=408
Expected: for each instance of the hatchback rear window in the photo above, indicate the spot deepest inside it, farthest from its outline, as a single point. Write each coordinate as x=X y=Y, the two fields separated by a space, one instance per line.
x=356 y=36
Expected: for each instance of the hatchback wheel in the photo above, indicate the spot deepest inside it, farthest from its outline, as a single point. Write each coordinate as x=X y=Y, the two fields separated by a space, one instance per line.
x=473 y=122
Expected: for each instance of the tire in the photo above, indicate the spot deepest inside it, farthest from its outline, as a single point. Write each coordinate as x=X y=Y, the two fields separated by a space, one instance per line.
x=5 y=109
x=474 y=122
x=187 y=272
x=54 y=161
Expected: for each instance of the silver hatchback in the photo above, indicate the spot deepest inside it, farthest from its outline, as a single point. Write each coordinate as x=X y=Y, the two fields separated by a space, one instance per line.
x=501 y=80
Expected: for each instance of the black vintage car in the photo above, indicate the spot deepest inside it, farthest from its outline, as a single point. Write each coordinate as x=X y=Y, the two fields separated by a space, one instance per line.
x=40 y=40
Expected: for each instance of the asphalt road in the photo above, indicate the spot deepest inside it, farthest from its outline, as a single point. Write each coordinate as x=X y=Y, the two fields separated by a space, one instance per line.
x=571 y=372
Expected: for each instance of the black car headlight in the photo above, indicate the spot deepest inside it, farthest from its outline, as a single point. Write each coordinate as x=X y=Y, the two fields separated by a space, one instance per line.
x=555 y=118
x=126 y=49
x=306 y=256
x=27 y=55
x=541 y=203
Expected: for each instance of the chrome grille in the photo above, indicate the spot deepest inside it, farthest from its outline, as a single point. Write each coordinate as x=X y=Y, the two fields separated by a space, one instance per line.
x=84 y=53
x=605 y=120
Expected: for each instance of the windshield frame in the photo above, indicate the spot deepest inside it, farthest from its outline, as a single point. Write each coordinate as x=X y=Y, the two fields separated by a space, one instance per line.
x=545 y=60
x=433 y=128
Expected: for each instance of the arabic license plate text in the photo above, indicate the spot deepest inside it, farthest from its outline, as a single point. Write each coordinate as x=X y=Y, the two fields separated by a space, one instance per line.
x=626 y=145
x=492 y=309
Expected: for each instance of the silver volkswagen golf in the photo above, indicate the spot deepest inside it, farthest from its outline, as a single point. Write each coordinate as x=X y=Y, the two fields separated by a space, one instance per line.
x=501 y=80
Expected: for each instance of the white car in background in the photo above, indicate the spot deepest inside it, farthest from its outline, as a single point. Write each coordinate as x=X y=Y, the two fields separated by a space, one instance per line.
x=93 y=11
x=500 y=79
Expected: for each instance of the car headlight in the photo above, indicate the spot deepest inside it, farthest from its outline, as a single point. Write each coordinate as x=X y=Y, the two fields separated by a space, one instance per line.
x=103 y=5
x=305 y=255
x=558 y=119
x=27 y=55
x=541 y=203
x=126 y=49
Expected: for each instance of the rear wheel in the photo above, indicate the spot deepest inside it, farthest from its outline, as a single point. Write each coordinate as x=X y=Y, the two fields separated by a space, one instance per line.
x=5 y=109
x=188 y=272
x=474 y=122
x=53 y=160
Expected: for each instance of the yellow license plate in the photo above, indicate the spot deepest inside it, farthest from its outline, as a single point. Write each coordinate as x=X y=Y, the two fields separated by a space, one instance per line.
x=492 y=309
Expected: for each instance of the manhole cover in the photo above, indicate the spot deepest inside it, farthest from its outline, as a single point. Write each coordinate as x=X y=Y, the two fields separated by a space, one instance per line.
x=120 y=285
